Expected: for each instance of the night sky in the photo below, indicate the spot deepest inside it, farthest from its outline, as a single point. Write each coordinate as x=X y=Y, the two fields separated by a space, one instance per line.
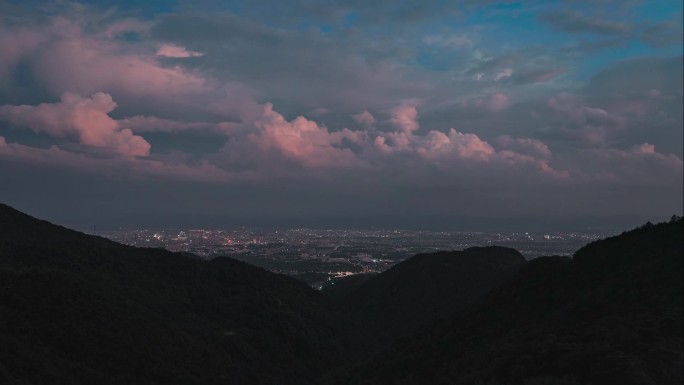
x=340 y=113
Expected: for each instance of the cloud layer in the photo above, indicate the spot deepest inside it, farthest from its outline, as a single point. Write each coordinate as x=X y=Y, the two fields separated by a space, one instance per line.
x=425 y=108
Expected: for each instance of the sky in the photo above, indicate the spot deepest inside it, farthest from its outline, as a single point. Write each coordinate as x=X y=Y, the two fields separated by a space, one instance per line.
x=349 y=113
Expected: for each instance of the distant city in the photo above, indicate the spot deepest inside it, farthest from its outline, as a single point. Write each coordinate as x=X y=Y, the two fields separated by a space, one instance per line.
x=318 y=257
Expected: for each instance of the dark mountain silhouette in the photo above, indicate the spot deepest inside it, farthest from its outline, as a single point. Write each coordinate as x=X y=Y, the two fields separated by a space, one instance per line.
x=611 y=315
x=417 y=292
x=81 y=309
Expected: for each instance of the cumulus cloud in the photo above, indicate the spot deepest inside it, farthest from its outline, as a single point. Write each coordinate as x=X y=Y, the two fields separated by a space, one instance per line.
x=454 y=144
x=405 y=117
x=86 y=118
x=270 y=138
x=530 y=152
x=470 y=145
x=524 y=146
x=64 y=56
x=456 y=147
x=302 y=140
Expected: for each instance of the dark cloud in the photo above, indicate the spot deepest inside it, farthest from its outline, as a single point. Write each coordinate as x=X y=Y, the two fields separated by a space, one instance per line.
x=537 y=75
x=577 y=22
x=225 y=28
x=664 y=34
x=594 y=46
x=306 y=68
x=639 y=76
x=347 y=12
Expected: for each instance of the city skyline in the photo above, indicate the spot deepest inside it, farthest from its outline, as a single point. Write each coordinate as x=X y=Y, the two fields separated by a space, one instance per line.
x=427 y=114
x=320 y=257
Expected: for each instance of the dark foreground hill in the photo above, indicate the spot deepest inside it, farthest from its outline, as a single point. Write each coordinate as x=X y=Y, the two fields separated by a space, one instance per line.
x=415 y=293
x=611 y=315
x=78 y=309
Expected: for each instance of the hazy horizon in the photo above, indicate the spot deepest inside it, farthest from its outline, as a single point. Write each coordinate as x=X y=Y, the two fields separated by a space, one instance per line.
x=605 y=225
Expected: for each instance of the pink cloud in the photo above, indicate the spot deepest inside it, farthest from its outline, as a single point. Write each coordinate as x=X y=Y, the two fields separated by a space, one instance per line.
x=169 y=167
x=66 y=58
x=524 y=146
x=405 y=118
x=400 y=140
x=88 y=65
x=470 y=145
x=258 y=147
x=379 y=144
x=86 y=119
x=455 y=145
x=512 y=152
x=302 y=139
x=170 y=50
x=313 y=145
x=527 y=151
x=644 y=148
x=435 y=143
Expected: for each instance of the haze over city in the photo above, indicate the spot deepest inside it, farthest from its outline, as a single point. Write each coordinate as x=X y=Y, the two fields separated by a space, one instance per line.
x=439 y=114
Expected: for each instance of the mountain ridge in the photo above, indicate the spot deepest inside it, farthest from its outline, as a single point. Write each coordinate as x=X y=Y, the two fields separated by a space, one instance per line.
x=85 y=309
x=560 y=320
x=426 y=287
x=77 y=308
